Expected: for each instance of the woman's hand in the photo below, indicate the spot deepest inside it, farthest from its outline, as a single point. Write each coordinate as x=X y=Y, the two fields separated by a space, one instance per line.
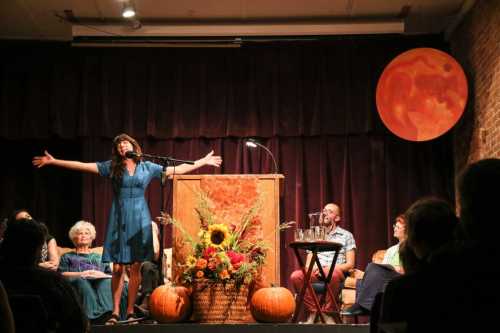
x=48 y=265
x=94 y=274
x=40 y=161
x=212 y=160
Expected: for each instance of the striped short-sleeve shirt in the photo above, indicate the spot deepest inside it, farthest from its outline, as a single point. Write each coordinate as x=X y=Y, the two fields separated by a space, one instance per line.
x=343 y=237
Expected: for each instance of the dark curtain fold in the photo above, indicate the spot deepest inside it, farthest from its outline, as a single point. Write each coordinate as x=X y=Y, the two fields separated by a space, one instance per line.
x=312 y=105
x=264 y=91
x=52 y=195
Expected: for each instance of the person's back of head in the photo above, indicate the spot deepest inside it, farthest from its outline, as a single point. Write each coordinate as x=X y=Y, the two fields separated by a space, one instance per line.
x=431 y=223
x=478 y=188
x=22 y=243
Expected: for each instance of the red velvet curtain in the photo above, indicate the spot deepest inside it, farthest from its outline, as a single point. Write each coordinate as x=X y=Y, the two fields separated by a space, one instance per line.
x=311 y=104
x=304 y=89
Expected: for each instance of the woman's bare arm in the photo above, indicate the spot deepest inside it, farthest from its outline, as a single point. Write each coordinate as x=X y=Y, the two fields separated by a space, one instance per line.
x=52 y=252
x=209 y=159
x=47 y=159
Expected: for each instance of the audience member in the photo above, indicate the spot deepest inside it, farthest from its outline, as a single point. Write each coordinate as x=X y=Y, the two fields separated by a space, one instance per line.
x=470 y=293
x=6 y=318
x=87 y=274
x=431 y=224
x=20 y=274
x=49 y=257
x=377 y=276
x=345 y=262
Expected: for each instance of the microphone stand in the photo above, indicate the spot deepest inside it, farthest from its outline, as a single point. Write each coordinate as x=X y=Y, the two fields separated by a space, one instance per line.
x=164 y=161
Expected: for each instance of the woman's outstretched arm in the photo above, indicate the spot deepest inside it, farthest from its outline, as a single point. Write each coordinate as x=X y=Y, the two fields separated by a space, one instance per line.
x=47 y=159
x=209 y=159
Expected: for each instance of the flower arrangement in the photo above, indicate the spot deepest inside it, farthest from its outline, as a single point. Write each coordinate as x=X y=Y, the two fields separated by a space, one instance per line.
x=230 y=246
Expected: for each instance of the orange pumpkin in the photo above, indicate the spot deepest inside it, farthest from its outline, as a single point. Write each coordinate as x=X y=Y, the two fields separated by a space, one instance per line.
x=170 y=304
x=272 y=305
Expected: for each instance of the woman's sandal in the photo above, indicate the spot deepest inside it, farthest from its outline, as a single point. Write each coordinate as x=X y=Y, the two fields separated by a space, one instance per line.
x=113 y=320
x=133 y=319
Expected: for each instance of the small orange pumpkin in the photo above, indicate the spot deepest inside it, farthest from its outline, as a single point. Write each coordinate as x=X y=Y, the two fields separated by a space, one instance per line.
x=272 y=305
x=169 y=304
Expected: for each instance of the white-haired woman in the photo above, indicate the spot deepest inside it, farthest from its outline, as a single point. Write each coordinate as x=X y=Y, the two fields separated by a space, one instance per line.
x=86 y=272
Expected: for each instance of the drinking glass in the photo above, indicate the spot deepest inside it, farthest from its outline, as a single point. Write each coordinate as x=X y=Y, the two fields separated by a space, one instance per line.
x=299 y=235
x=309 y=235
x=319 y=233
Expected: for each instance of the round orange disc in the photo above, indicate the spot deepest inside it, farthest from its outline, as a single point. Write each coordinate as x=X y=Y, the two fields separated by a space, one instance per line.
x=421 y=94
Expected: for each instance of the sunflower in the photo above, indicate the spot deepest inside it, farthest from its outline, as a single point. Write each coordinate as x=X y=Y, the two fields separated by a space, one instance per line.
x=217 y=236
x=191 y=261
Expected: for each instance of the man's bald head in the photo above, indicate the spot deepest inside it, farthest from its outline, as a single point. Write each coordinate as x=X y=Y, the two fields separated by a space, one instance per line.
x=331 y=214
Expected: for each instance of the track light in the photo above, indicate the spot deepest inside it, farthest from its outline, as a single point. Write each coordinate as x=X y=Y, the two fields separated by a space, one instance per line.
x=252 y=143
x=128 y=10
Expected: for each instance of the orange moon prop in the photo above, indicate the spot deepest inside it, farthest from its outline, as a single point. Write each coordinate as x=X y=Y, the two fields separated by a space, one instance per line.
x=421 y=94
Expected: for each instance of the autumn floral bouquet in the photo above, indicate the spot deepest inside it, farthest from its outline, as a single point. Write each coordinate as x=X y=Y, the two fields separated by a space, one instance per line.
x=230 y=246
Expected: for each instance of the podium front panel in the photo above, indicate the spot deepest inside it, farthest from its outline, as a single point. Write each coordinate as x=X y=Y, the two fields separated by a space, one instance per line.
x=186 y=194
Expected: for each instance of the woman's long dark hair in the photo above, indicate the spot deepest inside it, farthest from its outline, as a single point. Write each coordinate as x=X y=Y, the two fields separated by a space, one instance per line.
x=117 y=161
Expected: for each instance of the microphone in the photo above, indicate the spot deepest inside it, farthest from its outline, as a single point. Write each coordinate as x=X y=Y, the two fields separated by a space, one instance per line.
x=314 y=214
x=132 y=154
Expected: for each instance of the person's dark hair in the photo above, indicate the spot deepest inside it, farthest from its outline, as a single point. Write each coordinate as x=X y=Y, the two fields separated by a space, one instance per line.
x=478 y=188
x=431 y=223
x=22 y=243
x=12 y=219
x=409 y=260
x=117 y=166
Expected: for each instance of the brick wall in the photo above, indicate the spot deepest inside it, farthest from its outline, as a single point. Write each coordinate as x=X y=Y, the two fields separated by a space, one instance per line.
x=476 y=45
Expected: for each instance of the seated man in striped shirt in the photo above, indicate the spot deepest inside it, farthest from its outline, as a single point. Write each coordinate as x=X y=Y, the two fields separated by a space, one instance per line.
x=345 y=262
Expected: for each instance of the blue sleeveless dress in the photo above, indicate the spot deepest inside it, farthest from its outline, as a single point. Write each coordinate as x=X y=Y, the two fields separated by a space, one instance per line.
x=128 y=234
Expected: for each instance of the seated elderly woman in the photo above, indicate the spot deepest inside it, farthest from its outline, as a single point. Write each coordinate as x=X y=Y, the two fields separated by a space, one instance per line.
x=87 y=274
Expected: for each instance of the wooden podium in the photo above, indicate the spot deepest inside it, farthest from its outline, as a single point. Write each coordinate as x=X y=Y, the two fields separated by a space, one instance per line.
x=186 y=189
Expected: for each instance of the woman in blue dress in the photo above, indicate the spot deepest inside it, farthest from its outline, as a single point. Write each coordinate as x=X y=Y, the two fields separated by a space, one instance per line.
x=128 y=238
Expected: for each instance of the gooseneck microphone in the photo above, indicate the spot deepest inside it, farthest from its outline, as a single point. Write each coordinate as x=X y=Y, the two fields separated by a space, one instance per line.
x=132 y=154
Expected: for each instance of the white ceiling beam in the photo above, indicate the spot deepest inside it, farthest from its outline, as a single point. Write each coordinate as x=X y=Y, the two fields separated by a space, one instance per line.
x=271 y=29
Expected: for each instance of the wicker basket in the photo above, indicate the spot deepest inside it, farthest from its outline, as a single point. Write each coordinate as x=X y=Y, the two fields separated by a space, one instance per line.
x=220 y=303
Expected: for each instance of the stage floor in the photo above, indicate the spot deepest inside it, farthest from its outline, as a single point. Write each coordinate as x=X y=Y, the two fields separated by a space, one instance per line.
x=230 y=328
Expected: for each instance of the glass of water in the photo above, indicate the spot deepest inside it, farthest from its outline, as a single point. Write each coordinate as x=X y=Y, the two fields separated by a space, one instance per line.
x=299 y=235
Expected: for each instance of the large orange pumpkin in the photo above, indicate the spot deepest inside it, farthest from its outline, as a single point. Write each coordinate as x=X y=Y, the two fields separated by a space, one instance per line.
x=170 y=304
x=272 y=305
